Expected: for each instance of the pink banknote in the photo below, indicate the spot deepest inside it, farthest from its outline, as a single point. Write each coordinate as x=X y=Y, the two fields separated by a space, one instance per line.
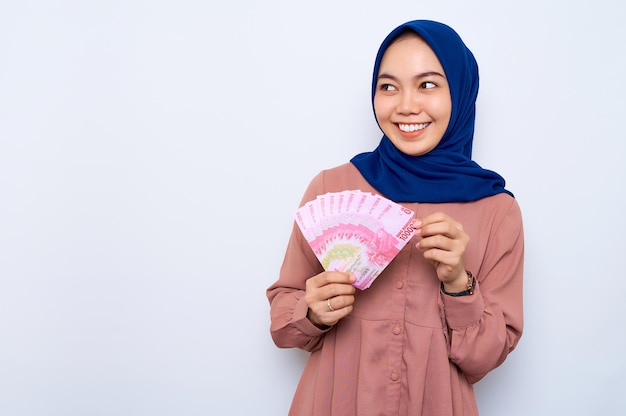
x=354 y=231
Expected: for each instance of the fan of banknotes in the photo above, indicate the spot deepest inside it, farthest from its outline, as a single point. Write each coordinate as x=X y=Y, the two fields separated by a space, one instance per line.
x=355 y=231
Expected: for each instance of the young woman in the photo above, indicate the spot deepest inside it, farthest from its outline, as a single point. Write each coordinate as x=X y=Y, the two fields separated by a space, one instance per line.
x=448 y=308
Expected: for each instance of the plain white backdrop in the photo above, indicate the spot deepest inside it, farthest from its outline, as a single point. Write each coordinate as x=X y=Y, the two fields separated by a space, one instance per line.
x=152 y=154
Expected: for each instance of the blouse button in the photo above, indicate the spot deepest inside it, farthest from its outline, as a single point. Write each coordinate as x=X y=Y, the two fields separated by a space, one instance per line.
x=399 y=284
x=394 y=375
x=397 y=330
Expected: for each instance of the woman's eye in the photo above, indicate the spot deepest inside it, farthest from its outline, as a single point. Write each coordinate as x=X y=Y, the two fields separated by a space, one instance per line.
x=387 y=87
x=428 y=85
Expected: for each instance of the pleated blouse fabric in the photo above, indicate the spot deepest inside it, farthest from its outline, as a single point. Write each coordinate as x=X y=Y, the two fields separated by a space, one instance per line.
x=407 y=348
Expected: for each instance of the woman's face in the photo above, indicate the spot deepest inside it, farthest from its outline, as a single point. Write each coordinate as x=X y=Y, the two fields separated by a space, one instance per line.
x=412 y=99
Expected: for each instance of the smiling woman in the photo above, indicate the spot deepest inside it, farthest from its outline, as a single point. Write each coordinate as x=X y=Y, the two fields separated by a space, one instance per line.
x=412 y=100
x=448 y=308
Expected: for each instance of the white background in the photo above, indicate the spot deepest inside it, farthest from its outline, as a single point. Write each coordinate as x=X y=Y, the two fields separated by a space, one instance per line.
x=152 y=154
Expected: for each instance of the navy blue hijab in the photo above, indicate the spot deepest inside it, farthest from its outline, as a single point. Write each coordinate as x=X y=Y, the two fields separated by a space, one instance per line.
x=446 y=173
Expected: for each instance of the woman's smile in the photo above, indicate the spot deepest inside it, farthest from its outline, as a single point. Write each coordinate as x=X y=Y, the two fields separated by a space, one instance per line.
x=411 y=130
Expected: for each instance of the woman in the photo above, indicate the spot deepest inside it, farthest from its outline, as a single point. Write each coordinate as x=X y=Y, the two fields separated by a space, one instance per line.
x=448 y=308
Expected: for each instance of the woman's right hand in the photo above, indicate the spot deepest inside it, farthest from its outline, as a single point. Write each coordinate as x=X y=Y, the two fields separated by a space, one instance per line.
x=330 y=296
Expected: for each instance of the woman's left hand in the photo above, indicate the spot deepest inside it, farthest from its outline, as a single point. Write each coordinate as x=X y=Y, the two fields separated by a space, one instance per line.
x=444 y=242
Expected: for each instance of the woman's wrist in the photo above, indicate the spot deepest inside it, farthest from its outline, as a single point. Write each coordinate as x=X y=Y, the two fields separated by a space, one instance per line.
x=319 y=325
x=461 y=287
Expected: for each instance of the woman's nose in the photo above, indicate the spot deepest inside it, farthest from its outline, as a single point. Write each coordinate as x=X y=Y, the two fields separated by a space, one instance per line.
x=409 y=103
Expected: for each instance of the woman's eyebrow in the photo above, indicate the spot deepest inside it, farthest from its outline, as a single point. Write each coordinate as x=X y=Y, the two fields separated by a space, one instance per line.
x=417 y=76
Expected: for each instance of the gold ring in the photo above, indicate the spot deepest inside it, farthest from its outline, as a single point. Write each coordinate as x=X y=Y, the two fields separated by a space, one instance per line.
x=330 y=308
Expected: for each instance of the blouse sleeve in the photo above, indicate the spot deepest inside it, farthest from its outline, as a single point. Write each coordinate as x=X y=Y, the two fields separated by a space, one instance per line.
x=486 y=326
x=290 y=326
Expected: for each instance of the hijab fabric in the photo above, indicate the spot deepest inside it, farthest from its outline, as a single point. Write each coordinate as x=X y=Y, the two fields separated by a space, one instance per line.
x=446 y=173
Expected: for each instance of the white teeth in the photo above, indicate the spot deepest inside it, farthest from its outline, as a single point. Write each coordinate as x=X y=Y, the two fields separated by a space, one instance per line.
x=408 y=128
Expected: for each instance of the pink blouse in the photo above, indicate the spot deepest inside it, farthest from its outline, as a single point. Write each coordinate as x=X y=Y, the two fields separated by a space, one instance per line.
x=406 y=348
